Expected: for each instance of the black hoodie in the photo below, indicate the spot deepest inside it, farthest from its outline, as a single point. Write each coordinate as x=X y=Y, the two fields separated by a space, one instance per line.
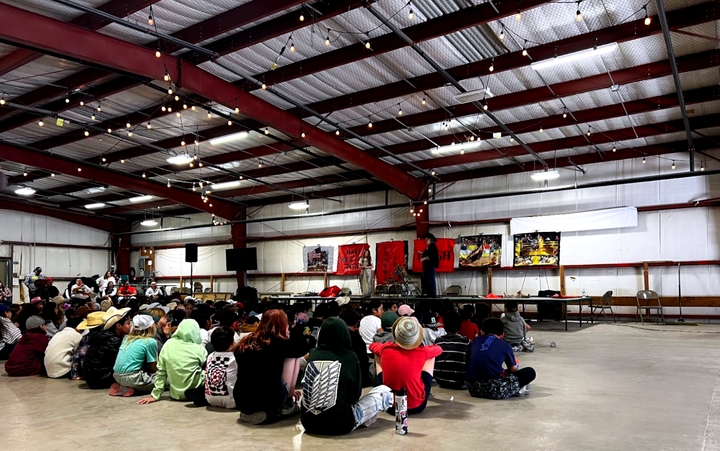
x=332 y=384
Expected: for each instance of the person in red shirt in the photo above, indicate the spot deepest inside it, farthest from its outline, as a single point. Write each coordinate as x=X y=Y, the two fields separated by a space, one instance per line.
x=127 y=291
x=406 y=364
x=468 y=328
x=28 y=356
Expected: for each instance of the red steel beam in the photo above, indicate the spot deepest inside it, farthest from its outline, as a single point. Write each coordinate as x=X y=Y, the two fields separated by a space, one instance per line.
x=434 y=28
x=87 y=171
x=120 y=8
x=124 y=56
x=606 y=137
x=633 y=74
x=58 y=213
x=681 y=18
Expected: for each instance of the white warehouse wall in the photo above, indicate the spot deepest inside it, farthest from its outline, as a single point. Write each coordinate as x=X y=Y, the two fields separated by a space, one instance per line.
x=33 y=230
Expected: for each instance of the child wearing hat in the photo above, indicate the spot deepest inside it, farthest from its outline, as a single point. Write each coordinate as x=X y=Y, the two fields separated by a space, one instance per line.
x=406 y=364
x=27 y=357
x=60 y=350
x=136 y=363
x=486 y=378
x=180 y=363
x=9 y=333
x=87 y=328
x=104 y=348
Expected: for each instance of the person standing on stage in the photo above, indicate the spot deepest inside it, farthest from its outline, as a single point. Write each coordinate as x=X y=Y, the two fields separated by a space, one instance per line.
x=430 y=261
x=366 y=267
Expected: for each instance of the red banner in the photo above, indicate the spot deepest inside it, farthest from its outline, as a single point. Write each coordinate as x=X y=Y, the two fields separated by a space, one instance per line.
x=348 y=256
x=391 y=260
x=446 y=253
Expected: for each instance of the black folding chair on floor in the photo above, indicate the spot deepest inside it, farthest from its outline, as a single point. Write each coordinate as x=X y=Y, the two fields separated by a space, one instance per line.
x=604 y=304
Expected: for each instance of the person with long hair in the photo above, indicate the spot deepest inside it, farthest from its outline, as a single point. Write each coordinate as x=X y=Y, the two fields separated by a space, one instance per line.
x=136 y=363
x=54 y=319
x=269 y=367
x=6 y=294
x=104 y=280
x=365 y=263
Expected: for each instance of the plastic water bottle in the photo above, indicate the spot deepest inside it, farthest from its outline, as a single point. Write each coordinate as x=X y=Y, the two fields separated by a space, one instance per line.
x=583 y=293
x=401 y=417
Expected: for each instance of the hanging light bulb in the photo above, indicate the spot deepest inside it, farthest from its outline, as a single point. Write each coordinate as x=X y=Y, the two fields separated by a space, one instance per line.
x=302 y=135
x=541 y=130
x=150 y=20
x=524 y=51
x=564 y=115
x=168 y=185
x=648 y=20
x=41 y=123
x=492 y=65
x=264 y=86
x=130 y=134
x=292 y=47
x=158 y=54
x=423 y=102
x=518 y=15
x=337 y=132
x=644 y=160
x=399 y=110
x=614 y=149
x=109 y=130
x=166 y=77
x=588 y=132
x=327 y=39
x=86 y=133
x=182 y=143
x=99 y=108
x=81 y=102
x=193 y=108
x=411 y=14
x=302 y=17
x=177 y=98
x=432 y=173
x=2 y=100
x=367 y=45
x=578 y=15
x=25 y=174
x=260 y=164
x=178 y=114
x=122 y=161
x=369 y=124
x=184 y=106
x=209 y=116
x=673 y=165
x=149 y=127
x=230 y=122
x=702 y=167
x=267 y=131
x=170 y=91
x=237 y=109
x=485 y=107
x=128 y=125
x=501 y=36
x=53 y=174
x=163 y=108
x=67 y=100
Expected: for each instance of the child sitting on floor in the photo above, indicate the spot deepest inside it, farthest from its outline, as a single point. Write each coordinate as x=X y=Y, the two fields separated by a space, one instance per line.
x=515 y=328
x=27 y=357
x=181 y=363
x=136 y=363
x=451 y=366
x=104 y=348
x=220 y=374
x=486 y=378
x=467 y=327
x=60 y=350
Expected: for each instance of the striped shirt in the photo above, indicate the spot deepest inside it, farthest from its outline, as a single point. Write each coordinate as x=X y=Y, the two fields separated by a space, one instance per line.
x=452 y=365
x=10 y=333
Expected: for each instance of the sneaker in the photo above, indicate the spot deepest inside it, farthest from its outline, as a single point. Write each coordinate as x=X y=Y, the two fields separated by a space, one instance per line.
x=290 y=408
x=116 y=389
x=128 y=391
x=253 y=418
x=527 y=346
x=517 y=348
x=525 y=390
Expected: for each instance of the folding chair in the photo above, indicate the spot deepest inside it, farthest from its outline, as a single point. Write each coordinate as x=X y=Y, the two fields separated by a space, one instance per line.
x=649 y=300
x=603 y=305
x=453 y=290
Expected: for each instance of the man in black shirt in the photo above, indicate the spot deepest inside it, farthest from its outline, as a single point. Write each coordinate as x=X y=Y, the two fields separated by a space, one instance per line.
x=430 y=261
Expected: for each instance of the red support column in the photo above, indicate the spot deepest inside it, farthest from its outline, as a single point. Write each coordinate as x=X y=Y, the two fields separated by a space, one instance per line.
x=238 y=232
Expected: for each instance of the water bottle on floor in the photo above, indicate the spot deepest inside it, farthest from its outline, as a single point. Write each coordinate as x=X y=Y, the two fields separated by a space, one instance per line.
x=401 y=417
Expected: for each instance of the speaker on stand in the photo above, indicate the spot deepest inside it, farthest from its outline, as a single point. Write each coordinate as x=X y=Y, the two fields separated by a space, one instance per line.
x=191 y=256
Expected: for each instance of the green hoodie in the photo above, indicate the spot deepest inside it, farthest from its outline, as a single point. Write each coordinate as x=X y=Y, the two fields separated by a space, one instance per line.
x=332 y=384
x=181 y=361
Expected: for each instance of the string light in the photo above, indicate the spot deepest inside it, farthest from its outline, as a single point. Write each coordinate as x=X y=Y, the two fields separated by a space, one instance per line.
x=644 y=160
x=109 y=130
x=264 y=86
x=411 y=15
x=673 y=165
x=67 y=100
x=367 y=45
x=86 y=133
x=485 y=107
x=614 y=149
x=337 y=132
x=81 y=103
x=237 y=109
x=541 y=130
x=122 y=161
x=564 y=115
x=302 y=135
x=648 y=20
x=578 y=15
x=163 y=108
x=588 y=132
x=25 y=174
x=166 y=77
x=130 y=134
x=149 y=127
x=168 y=185
x=267 y=131
x=230 y=122
x=501 y=36
x=518 y=15
x=492 y=65
x=144 y=175
x=53 y=174
x=184 y=106
x=260 y=164
x=399 y=110
x=423 y=102
x=193 y=108
x=170 y=91
x=99 y=108
x=524 y=51
x=702 y=167
x=292 y=46
x=327 y=39
x=150 y=20
x=178 y=114
x=79 y=169
x=158 y=54
x=177 y=98
x=209 y=116
x=127 y=125
x=182 y=143
x=302 y=17
x=369 y=123
x=2 y=100
x=41 y=123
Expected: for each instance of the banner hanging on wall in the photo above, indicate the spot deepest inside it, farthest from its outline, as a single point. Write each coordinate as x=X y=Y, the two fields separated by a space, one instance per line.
x=539 y=249
x=318 y=258
x=480 y=251
x=446 y=252
x=391 y=260
x=348 y=259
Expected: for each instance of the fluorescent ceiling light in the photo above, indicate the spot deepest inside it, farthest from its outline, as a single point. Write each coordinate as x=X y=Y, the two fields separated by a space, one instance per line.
x=180 y=159
x=94 y=206
x=149 y=223
x=135 y=200
x=459 y=146
x=303 y=205
x=471 y=96
x=225 y=185
x=25 y=191
x=95 y=190
x=228 y=138
x=545 y=175
x=582 y=54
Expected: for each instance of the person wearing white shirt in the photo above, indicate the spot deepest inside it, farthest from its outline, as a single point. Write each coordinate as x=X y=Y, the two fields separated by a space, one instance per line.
x=109 y=291
x=371 y=324
x=104 y=280
x=60 y=350
x=153 y=293
x=80 y=290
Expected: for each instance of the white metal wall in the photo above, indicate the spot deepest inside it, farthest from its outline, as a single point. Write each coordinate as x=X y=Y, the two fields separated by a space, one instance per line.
x=55 y=261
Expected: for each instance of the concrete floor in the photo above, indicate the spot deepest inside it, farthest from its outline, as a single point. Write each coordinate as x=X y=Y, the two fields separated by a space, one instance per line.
x=606 y=387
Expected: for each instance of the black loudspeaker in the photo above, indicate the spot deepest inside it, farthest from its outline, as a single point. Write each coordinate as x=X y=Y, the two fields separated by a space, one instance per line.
x=191 y=252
